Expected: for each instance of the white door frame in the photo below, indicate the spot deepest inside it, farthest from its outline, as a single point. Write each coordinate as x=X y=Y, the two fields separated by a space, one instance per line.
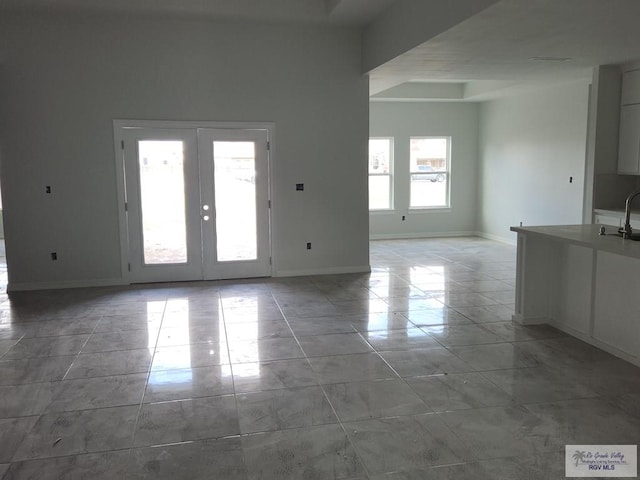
x=120 y=125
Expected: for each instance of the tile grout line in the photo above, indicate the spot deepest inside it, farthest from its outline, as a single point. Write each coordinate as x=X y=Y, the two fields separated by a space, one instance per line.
x=146 y=383
x=326 y=397
x=233 y=383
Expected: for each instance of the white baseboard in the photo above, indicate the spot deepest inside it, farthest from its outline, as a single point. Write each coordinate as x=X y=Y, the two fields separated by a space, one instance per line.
x=28 y=286
x=496 y=238
x=111 y=282
x=474 y=233
x=402 y=236
x=322 y=271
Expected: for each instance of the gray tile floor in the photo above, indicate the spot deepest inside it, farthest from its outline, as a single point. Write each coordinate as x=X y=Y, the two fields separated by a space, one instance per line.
x=413 y=371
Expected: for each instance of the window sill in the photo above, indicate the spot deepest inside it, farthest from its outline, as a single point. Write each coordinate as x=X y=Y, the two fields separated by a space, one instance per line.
x=421 y=210
x=386 y=211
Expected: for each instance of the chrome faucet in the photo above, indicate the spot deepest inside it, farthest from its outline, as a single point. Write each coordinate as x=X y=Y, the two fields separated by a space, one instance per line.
x=626 y=230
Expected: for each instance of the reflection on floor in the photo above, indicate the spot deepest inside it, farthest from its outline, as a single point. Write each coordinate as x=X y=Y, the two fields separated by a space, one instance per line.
x=3 y=272
x=413 y=371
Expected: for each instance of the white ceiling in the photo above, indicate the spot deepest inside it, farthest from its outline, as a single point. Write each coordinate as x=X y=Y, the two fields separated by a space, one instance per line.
x=334 y=12
x=496 y=45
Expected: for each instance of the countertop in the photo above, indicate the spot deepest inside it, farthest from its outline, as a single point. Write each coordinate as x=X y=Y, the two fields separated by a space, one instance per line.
x=616 y=212
x=585 y=235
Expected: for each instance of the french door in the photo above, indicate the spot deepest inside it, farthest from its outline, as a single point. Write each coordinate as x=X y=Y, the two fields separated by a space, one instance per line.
x=197 y=203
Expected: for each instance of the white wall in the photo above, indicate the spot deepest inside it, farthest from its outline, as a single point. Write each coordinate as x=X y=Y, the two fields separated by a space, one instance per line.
x=403 y=120
x=530 y=145
x=64 y=78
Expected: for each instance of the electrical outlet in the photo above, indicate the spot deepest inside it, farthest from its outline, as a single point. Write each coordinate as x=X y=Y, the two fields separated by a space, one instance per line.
x=299 y=187
x=54 y=256
x=47 y=189
x=308 y=245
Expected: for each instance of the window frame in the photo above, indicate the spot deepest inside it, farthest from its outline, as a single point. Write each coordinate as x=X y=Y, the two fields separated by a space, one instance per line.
x=446 y=172
x=389 y=175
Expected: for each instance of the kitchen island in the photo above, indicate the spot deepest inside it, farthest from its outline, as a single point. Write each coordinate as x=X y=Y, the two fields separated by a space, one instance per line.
x=583 y=283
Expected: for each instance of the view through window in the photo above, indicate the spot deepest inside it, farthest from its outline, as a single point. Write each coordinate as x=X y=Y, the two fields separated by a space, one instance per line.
x=380 y=173
x=429 y=168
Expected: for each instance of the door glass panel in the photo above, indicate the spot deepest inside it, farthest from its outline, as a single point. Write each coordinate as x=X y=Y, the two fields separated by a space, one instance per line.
x=235 y=195
x=162 y=201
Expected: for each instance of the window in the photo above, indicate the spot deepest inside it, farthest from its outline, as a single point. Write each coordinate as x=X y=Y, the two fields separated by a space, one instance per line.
x=429 y=165
x=380 y=173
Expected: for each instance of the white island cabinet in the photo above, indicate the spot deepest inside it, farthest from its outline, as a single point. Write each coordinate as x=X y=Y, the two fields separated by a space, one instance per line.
x=583 y=283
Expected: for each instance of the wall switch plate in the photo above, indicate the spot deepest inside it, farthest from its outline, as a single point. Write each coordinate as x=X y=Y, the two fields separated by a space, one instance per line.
x=47 y=189
x=299 y=187
x=308 y=245
x=54 y=256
